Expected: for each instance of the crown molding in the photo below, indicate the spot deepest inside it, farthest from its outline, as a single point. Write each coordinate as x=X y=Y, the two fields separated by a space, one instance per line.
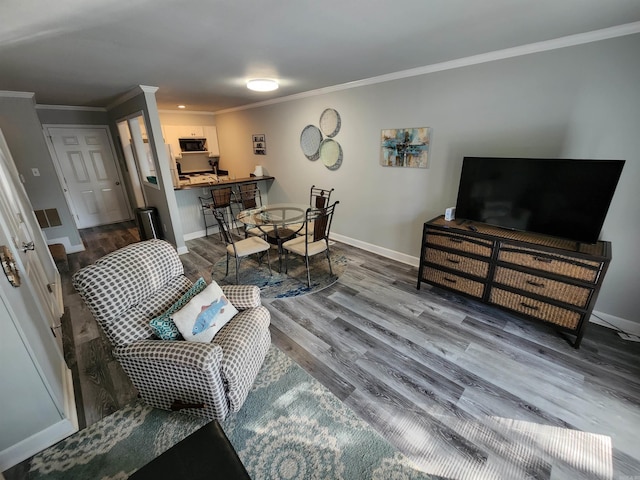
x=186 y=112
x=135 y=91
x=148 y=89
x=11 y=94
x=537 y=47
x=70 y=107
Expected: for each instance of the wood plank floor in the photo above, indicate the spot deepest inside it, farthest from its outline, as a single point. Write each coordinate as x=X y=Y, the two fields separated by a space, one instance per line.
x=461 y=388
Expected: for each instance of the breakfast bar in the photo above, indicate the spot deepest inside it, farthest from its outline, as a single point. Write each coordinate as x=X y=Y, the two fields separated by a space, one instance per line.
x=187 y=198
x=211 y=181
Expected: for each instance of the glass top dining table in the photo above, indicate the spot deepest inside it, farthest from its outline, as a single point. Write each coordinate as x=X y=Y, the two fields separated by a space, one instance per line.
x=274 y=220
x=277 y=215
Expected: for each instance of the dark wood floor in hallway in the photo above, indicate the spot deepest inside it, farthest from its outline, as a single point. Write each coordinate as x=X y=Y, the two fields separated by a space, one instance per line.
x=461 y=388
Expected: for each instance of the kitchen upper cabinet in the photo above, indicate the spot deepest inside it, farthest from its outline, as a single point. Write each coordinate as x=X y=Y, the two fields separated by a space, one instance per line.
x=189 y=131
x=171 y=134
x=174 y=132
x=211 y=134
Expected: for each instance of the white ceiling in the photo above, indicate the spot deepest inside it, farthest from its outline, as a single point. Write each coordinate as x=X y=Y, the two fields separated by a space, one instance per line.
x=201 y=52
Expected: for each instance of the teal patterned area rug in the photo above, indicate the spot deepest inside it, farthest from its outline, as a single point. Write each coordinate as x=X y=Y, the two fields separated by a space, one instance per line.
x=290 y=428
x=283 y=285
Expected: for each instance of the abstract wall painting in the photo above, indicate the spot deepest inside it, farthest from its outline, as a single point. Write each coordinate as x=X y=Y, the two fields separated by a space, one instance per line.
x=405 y=147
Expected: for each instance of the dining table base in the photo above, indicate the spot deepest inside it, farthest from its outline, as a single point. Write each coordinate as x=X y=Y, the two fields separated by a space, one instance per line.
x=277 y=237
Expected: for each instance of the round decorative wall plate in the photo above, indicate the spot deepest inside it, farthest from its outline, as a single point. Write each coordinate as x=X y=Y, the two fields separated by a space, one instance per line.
x=331 y=154
x=310 y=140
x=330 y=122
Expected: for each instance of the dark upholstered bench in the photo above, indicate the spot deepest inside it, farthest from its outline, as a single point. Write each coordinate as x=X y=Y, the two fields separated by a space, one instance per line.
x=205 y=454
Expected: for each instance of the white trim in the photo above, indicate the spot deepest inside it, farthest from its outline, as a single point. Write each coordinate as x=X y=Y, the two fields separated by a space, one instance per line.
x=613 y=322
x=623 y=324
x=192 y=235
x=67 y=244
x=58 y=168
x=49 y=436
x=130 y=94
x=35 y=443
x=606 y=320
x=9 y=93
x=70 y=408
x=70 y=107
x=187 y=112
x=384 y=252
x=148 y=88
x=537 y=47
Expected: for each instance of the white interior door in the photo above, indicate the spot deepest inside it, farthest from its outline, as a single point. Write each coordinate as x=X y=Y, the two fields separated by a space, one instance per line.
x=91 y=176
x=28 y=245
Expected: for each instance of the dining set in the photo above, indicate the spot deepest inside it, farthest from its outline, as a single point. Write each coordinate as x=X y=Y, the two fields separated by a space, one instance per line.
x=297 y=228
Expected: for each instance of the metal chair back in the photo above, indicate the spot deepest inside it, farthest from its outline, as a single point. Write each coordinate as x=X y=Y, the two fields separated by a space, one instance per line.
x=221 y=197
x=319 y=197
x=250 y=196
x=319 y=219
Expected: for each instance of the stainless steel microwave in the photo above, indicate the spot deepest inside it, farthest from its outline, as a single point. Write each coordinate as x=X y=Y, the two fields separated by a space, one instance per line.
x=193 y=144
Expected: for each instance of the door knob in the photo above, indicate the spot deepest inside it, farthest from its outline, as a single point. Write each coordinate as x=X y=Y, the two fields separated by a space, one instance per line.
x=28 y=246
x=117 y=183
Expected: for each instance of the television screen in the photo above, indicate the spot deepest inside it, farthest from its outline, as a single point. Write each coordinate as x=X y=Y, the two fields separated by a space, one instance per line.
x=563 y=198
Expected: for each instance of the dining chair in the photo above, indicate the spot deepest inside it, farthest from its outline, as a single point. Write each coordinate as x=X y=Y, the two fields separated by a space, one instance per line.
x=248 y=196
x=221 y=199
x=206 y=206
x=315 y=239
x=240 y=248
x=318 y=198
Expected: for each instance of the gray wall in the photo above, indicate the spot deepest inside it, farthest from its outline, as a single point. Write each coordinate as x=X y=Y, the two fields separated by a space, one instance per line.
x=66 y=116
x=162 y=198
x=577 y=102
x=23 y=132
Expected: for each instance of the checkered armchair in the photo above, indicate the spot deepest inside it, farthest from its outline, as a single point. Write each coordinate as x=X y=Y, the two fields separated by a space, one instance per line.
x=127 y=288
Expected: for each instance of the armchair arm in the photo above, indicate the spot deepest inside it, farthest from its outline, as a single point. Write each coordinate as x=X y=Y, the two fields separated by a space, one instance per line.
x=173 y=375
x=202 y=356
x=242 y=296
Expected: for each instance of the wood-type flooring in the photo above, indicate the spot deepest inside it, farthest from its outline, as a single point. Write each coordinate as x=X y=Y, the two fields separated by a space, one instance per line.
x=461 y=388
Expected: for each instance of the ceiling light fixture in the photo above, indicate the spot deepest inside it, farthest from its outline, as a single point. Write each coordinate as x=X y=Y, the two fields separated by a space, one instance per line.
x=182 y=106
x=262 y=85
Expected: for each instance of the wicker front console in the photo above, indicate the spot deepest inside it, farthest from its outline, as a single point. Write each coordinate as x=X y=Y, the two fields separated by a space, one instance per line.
x=536 y=276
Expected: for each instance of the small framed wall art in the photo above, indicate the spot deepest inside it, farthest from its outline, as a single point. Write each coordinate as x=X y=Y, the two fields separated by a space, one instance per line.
x=405 y=147
x=259 y=144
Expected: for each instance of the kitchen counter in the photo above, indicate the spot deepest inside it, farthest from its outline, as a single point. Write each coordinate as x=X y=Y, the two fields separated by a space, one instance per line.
x=190 y=206
x=220 y=183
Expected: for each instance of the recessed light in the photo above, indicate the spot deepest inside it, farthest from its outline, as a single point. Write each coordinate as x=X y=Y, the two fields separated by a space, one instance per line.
x=182 y=106
x=262 y=85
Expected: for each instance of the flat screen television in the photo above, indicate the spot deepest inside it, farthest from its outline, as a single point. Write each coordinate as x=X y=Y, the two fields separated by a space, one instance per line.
x=559 y=197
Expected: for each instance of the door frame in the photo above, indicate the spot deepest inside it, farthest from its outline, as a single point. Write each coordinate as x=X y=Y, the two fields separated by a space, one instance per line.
x=58 y=168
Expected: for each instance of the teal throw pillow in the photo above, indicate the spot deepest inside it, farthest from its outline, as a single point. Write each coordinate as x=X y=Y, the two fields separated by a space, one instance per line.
x=163 y=326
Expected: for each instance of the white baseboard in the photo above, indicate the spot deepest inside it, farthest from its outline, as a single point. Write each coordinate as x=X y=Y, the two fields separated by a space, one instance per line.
x=67 y=244
x=70 y=409
x=35 y=443
x=613 y=322
x=606 y=320
x=49 y=436
x=192 y=235
x=384 y=252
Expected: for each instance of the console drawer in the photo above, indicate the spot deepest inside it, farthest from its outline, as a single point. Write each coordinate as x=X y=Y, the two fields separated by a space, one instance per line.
x=564 y=292
x=577 y=268
x=535 y=308
x=476 y=246
x=470 y=287
x=474 y=267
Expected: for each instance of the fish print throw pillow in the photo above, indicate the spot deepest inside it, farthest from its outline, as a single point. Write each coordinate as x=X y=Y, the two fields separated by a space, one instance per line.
x=204 y=315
